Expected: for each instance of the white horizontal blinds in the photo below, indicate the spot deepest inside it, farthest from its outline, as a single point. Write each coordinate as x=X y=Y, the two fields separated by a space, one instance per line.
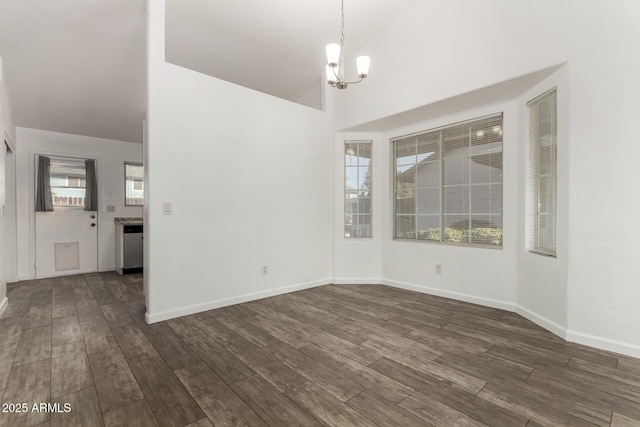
x=448 y=184
x=417 y=187
x=472 y=187
x=541 y=224
x=357 y=204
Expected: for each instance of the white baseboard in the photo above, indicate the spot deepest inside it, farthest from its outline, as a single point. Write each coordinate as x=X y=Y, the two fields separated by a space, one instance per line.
x=3 y=305
x=603 y=343
x=66 y=273
x=503 y=305
x=541 y=321
x=210 y=305
x=357 y=281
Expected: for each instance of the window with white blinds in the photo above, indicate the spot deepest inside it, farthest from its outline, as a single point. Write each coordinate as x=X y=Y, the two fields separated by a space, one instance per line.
x=448 y=183
x=357 y=188
x=543 y=146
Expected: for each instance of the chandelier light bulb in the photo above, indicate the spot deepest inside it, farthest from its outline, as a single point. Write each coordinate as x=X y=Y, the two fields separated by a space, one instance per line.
x=333 y=54
x=363 y=63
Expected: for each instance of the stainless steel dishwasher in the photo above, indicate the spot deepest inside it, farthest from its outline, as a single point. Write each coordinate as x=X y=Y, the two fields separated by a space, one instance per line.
x=132 y=258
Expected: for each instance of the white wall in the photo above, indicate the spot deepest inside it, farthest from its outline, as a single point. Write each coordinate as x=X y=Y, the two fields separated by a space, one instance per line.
x=110 y=155
x=590 y=292
x=6 y=133
x=248 y=179
x=604 y=183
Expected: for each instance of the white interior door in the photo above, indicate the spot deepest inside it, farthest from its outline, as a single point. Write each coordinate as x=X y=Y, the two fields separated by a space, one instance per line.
x=67 y=238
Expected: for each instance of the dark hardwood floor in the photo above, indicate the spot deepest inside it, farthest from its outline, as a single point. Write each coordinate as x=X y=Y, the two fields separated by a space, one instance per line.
x=362 y=355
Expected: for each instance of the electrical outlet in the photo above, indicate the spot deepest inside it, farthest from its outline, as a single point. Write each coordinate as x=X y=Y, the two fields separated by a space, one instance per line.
x=438 y=269
x=265 y=270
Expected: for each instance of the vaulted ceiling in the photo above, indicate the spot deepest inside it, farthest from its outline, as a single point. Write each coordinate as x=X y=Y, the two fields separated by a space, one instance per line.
x=78 y=66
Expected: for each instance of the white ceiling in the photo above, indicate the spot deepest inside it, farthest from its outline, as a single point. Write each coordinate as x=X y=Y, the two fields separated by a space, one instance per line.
x=78 y=66
x=274 y=46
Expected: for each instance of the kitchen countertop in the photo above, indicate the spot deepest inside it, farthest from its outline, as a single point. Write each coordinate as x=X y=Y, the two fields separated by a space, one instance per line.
x=127 y=220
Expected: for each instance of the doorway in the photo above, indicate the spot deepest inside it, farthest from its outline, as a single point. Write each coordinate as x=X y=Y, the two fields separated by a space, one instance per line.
x=67 y=237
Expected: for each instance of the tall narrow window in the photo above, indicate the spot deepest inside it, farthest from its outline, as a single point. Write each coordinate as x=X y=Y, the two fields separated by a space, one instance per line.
x=543 y=147
x=448 y=183
x=357 y=188
x=133 y=184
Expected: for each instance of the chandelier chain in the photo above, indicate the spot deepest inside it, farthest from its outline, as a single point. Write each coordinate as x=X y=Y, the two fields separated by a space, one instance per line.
x=342 y=24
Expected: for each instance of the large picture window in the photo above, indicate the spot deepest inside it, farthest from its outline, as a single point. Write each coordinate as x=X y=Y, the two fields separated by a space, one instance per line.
x=448 y=183
x=543 y=146
x=133 y=184
x=357 y=189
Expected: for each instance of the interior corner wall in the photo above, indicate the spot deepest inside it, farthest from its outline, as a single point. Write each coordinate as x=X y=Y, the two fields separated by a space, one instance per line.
x=249 y=185
x=541 y=294
x=110 y=154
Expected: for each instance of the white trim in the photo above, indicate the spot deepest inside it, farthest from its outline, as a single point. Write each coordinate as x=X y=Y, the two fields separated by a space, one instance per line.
x=603 y=343
x=488 y=302
x=3 y=305
x=357 y=281
x=66 y=273
x=549 y=325
x=197 y=308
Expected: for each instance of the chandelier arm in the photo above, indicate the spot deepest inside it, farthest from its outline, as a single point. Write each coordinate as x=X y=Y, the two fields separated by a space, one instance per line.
x=353 y=82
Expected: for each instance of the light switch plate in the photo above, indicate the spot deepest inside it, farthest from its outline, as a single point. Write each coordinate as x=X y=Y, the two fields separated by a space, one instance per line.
x=111 y=208
x=167 y=208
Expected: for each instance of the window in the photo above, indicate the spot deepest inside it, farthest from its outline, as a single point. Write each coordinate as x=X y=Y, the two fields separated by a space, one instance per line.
x=357 y=189
x=543 y=146
x=448 y=184
x=133 y=184
x=67 y=178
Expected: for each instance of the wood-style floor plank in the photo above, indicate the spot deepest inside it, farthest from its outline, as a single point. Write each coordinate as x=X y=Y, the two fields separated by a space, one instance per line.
x=326 y=408
x=217 y=400
x=34 y=345
x=115 y=383
x=70 y=371
x=273 y=407
x=383 y=412
x=134 y=414
x=28 y=383
x=167 y=398
x=223 y=363
x=437 y=413
x=368 y=378
x=339 y=384
x=84 y=409
x=335 y=355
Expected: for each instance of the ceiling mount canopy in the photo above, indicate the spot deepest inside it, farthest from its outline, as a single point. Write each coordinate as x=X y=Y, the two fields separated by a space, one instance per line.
x=335 y=61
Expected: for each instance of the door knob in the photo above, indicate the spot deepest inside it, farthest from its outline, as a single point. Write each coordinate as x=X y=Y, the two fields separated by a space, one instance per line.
x=93 y=216
x=93 y=224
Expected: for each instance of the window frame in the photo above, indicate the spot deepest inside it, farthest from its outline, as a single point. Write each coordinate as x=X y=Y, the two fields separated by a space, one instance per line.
x=358 y=214
x=127 y=163
x=441 y=215
x=533 y=232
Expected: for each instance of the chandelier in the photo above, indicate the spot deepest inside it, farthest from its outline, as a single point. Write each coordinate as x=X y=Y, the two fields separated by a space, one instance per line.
x=335 y=61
